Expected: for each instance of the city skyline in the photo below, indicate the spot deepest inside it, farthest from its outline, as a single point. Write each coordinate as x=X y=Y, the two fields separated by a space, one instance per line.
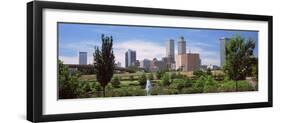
x=148 y=42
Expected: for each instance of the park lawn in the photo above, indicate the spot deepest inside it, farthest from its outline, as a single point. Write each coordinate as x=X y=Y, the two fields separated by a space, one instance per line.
x=87 y=78
x=129 y=83
x=130 y=86
x=123 y=76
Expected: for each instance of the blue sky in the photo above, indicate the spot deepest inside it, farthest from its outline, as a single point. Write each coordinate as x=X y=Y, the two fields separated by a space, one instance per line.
x=149 y=42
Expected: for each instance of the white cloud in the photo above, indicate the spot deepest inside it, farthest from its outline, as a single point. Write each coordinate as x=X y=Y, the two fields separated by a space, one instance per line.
x=144 y=49
x=87 y=46
x=69 y=60
x=75 y=59
x=200 y=44
x=81 y=46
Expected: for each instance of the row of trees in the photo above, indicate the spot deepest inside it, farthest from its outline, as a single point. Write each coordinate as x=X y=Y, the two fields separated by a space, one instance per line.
x=103 y=66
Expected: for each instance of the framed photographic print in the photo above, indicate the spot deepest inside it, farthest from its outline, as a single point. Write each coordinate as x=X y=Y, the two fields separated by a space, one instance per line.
x=95 y=61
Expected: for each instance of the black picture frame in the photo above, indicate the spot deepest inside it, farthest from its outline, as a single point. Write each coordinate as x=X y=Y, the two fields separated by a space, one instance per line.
x=35 y=69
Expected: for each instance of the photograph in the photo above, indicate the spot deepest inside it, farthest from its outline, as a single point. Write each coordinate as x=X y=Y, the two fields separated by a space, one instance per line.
x=102 y=60
x=90 y=60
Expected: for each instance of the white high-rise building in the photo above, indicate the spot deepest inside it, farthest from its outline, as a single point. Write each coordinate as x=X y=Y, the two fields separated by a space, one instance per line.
x=181 y=46
x=130 y=58
x=145 y=64
x=83 y=58
x=223 y=41
x=170 y=50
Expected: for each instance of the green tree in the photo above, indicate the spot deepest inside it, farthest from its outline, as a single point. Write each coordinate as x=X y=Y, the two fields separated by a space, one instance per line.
x=68 y=82
x=254 y=72
x=104 y=61
x=238 y=58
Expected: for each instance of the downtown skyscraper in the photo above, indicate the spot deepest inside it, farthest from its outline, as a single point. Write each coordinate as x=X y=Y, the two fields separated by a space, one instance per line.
x=170 y=50
x=186 y=61
x=223 y=41
x=181 y=46
x=130 y=58
x=82 y=58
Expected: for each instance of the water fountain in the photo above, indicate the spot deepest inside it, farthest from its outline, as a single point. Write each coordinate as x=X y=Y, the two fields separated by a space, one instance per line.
x=148 y=87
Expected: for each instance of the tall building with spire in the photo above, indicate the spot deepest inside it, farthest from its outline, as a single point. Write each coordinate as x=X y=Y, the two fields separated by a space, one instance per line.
x=186 y=61
x=181 y=46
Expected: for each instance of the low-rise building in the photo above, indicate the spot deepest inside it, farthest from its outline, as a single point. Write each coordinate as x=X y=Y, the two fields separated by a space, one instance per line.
x=188 y=62
x=145 y=64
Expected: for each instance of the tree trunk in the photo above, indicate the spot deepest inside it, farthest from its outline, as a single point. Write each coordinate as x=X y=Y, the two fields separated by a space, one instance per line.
x=103 y=91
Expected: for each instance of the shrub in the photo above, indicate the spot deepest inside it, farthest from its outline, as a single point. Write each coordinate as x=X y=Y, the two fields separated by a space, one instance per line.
x=219 y=76
x=209 y=71
x=180 y=76
x=135 y=91
x=188 y=91
x=188 y=82
x=115 y=81
x=109 y=86
x=210 y=85
x=178 y=84
x=142 y=80
x=68 y=82
x=165 y=80
x=227 y=86
x=139 y=91
x=131 y=77
x=173 y=75
x=165 y=91
x=174 y=91
x=198 y=73
x=199 y=84
x=159 y=74
x=150 y=76
x=230 y=86
x=134 y=83
x=245 y=86
x=97 y=86
x=98 y=89
x=84 y=89
x=119 y=92
x=197 y=90
x=155 y=90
